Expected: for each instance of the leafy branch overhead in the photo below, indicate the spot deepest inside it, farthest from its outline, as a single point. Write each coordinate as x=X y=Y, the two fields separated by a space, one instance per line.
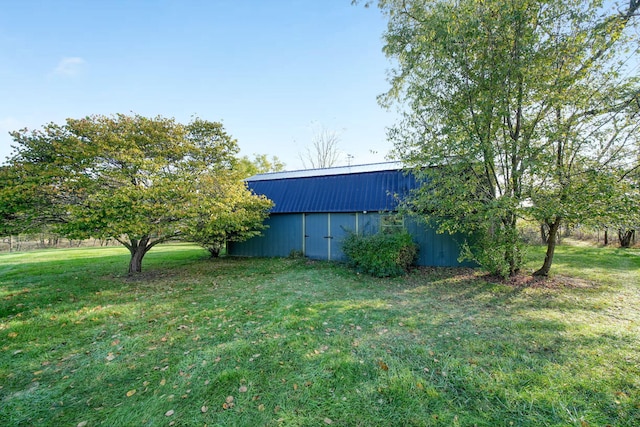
x=138 y=180
x=529 y=109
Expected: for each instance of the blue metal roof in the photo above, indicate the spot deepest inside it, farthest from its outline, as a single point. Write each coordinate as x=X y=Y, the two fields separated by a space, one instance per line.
x=334 y=192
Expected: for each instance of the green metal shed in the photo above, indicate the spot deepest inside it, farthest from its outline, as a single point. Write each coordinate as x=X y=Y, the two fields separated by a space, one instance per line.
x=315 y=209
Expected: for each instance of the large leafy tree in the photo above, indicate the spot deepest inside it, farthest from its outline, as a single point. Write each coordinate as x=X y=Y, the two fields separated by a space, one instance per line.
x=228 y=212
x=525 y=107
x=137 y=180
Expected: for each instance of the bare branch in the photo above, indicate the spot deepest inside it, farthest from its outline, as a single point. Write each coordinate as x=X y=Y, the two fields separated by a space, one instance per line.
x=323 y=152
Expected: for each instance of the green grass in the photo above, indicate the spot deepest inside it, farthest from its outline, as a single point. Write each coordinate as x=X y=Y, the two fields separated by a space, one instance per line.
x=299 y=343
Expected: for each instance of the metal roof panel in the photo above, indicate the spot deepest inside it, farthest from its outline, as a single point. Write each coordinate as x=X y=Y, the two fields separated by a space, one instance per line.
x=346 y=192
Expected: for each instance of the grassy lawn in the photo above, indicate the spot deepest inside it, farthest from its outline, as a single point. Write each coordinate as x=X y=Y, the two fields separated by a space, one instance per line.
x=270 y=342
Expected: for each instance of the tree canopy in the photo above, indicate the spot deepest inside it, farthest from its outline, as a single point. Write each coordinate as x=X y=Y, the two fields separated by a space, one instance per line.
x=138 y=180
x=528 y=108
x=261 y=163
x=227 y=213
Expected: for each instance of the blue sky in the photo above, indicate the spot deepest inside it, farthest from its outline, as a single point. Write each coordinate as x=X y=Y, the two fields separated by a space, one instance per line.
x=272 y=71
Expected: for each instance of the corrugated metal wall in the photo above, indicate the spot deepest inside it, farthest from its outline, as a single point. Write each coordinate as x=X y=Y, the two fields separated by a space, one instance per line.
x=283 y=236
x=436 y=250
x=319 y=236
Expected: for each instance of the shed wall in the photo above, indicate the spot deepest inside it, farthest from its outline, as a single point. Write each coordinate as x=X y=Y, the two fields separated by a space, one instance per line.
x=282 y=237
x=436 y=250
x=320 y=235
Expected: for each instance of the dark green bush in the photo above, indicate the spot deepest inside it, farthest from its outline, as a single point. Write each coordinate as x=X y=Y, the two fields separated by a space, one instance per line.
x=381 y=254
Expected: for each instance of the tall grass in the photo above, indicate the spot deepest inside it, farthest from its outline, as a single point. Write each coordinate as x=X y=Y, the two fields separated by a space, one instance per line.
x=252 y=342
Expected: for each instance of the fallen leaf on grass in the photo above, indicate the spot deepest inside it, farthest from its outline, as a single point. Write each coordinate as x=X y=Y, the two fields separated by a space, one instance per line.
x=131 y=392
x=228 y=404
x=328 y=421
x=169 y=413
x=383 y=365
x=242 y=389
x=82 y=424
x=204 y=409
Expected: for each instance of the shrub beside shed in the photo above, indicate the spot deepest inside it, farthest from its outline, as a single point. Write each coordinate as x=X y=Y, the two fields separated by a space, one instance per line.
x=315 y=209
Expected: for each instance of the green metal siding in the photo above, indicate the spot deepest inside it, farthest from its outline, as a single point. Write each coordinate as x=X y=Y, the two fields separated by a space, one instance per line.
x=340 y=225
x=435 y=250
x=283 y=236
x=320 y=235
x=316 y=236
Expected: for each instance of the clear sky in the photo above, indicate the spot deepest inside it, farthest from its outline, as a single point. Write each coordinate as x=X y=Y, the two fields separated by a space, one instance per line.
x=272 y=71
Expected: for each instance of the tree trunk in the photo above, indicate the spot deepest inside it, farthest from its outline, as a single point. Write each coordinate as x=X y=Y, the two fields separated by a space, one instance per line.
x=551 y=248
x=606 y=236
x=625 y=237
x=544 y=233
x=138 y=250
x=512 y=255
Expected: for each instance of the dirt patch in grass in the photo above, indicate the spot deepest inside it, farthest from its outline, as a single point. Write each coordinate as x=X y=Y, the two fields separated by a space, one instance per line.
x=471 y=275
x=147 y=276
x=529 y=281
